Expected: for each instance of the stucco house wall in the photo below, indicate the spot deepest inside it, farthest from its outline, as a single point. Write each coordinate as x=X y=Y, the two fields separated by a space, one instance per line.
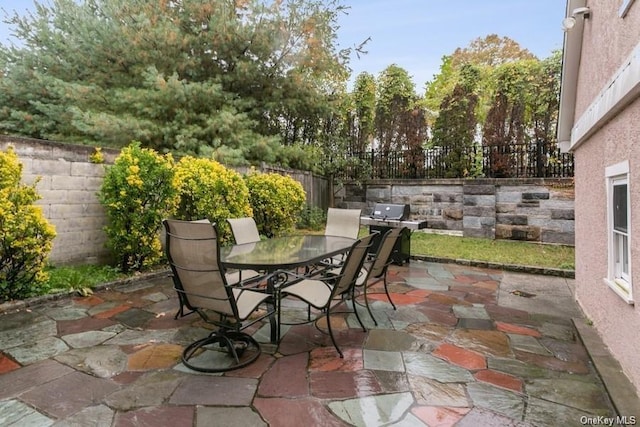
x=606 y=131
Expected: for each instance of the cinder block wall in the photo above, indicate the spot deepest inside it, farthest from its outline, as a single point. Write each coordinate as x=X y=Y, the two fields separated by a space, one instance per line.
x=68 y=183
x=531 y=209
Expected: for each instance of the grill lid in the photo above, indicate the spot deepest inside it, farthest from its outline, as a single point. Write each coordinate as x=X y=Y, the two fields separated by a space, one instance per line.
x=385 y=211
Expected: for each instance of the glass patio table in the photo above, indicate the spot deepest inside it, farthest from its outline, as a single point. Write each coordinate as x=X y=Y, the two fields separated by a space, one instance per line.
x=283 y=253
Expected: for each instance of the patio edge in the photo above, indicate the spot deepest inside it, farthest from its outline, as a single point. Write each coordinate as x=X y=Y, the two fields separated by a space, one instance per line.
x=546 y=271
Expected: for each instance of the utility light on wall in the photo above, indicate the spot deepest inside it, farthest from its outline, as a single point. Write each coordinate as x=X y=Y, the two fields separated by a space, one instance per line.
x=570 y=21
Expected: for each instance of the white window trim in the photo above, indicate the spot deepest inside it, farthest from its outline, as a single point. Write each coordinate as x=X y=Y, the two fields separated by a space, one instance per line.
x=623 y=288
x=626 y=5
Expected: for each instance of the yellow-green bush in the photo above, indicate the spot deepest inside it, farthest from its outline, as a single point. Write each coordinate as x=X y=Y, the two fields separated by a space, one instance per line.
x=25 y=234
x=276 y=201
x=209 y=190
x=137 y=194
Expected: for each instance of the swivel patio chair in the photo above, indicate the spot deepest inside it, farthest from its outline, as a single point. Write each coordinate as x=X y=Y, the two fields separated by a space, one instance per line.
x=193 y=252
x=244 y=231
x=377 y=265
x=322 y=293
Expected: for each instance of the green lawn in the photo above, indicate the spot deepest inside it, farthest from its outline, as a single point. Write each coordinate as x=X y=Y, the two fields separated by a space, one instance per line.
x=499 y=251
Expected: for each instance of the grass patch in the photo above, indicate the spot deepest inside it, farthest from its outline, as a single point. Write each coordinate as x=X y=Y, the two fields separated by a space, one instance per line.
x=80 y=278
x=499 y=251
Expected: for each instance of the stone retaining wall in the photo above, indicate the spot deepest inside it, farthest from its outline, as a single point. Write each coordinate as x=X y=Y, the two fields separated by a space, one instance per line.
x=532 y=209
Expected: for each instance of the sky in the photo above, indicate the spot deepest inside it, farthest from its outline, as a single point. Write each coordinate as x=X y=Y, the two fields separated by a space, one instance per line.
x=416 y=34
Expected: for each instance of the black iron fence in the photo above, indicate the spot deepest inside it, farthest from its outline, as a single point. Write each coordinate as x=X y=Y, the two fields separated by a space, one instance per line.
x=535 y=160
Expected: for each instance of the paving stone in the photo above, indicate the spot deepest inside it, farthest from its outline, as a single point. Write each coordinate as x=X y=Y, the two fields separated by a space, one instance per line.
x=175 y=416
x=429 y=332
x=324 y=359
x=510 y=328
x=568 y=351
x=69 y=394
x=28 y=333
x=486 y=418
x=480 y=324
x=292 y=412
x=227 y=417
x=65 y=313
x=560 y=332
x=103 y=361
x=470 y=312
x=461 y=357
x=499 y=379
x=17 y=382
x=158 y=356
x=107 y=309
x=95 y=416
x=86 y=324
x=427 y=283
x=528 y=343
x=151 y=389
x=439 y=416
x=212 y=390
x=342 y=385
x=392 y=382
x=155 y=297
x=42 y=349
x=383 y=360
x=87 y=339
x=517 y=368
x=431 y=392
x=428 y=366
x=541 y=412
x=552 y=363
x=16 y=413
x=19 y=320
x=498 y=400
x=287 y=377
x=134 y=317
x=384 y=409
x=588 y=397
x=487 y=342
x=7 y=365
x=390 y=340
x=136 y=337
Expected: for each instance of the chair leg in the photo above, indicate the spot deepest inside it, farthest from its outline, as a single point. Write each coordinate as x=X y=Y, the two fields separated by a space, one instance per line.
x=355 y=310
x=366 y=303
x=386 y=290
x=227 y=339
x=333 y=340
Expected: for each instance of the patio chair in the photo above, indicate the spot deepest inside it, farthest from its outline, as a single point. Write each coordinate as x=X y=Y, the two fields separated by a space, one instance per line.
x=321 y=293
x=342 y=223
x=244 y=231
x=193 y=252
x=376 y=266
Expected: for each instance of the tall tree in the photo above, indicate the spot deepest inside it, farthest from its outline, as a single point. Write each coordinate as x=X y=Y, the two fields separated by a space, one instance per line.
x=364 y=100
x=223 y=77
x=455 y=127
x=396 y=95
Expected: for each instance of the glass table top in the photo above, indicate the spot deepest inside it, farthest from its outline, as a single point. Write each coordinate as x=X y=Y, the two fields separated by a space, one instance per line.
x=284 y=252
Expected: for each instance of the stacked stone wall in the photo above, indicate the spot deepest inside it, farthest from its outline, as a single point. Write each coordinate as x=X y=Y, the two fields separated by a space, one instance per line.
x=532 y=209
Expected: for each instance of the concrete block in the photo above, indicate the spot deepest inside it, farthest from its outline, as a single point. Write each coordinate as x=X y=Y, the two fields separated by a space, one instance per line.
x=535 y=196
x=484 y=233
x=506 y=207
x=87 y=169
x=478 y=189
x=82 y=196
x=563 y=214
x=51 y=167
x=482 y=211
x=512 y=219
x=479 y=200
x=453 y=213
x=447 y=197
x=66 y=182
x=550 y=236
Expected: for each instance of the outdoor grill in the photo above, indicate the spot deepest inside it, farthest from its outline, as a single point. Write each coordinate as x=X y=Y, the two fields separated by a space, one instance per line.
x=386 y=216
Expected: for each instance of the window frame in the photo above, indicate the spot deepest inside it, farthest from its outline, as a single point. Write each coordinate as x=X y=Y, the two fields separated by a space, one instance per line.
x=624 y=8
x=619 y=281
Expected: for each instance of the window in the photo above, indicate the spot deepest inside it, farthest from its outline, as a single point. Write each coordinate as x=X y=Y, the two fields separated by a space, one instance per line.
x=624 y=8
x=619 y=231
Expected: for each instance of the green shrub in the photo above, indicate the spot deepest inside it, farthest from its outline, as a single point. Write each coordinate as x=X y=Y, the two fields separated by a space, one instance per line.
x=25 y=234
x=276 y=201
x=137 y=193
x=209 y=190
x=312 y=218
